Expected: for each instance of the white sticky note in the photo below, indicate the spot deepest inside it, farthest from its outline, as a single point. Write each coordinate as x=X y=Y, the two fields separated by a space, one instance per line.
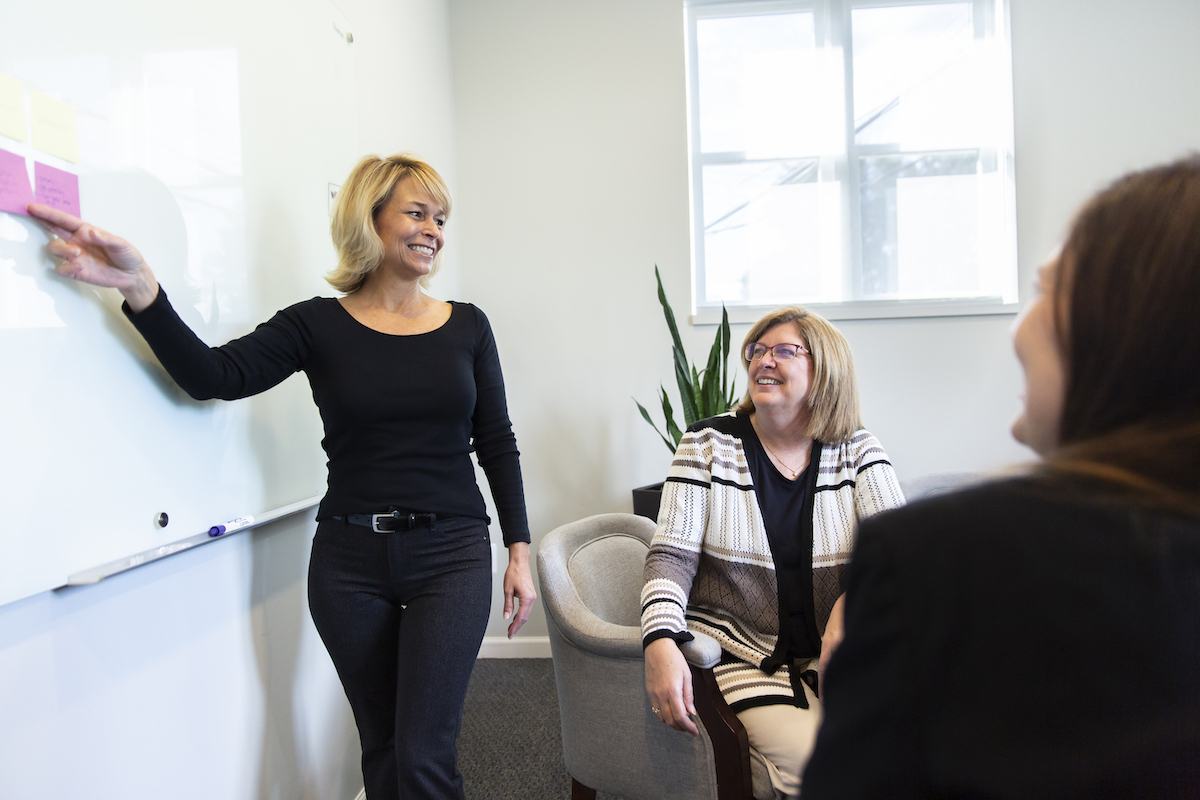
x=54 y=129
x=12 y=108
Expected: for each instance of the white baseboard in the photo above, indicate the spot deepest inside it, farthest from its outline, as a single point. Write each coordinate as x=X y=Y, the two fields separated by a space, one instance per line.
x=521 y=647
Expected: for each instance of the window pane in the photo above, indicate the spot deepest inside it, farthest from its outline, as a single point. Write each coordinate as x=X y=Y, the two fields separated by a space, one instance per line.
x=859 y=153
x=919 y=78
x=772 y=234
x=931 y=226
x=758 y=86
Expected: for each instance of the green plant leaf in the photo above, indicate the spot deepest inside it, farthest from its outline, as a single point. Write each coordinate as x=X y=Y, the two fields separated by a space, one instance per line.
x=687 y=394
x=670 y=315
x=672 y=429
x=726 y=380
x=682 y=381
x=697 y=395
x=646 y=416
x=702 y=393
x=713 y=389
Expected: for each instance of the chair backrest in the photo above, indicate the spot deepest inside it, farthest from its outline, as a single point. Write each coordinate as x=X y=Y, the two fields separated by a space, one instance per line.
x=595 y=566
x=607 y=573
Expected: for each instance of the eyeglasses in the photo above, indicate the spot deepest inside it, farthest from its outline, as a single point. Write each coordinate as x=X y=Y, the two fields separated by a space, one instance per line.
x=780 y=352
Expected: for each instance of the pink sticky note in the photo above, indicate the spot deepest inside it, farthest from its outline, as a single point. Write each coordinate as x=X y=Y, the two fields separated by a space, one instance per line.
x=56 y=188
x=15 y=193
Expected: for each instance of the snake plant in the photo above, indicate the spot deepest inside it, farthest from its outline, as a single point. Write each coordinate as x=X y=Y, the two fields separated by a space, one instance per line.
x=702 y=393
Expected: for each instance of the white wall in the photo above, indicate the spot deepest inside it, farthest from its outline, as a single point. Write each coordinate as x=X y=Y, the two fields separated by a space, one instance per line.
x=574 y=184
x=201 y=676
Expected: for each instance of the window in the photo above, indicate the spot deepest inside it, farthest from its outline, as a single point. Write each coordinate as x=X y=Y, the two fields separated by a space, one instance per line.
x=854 y=156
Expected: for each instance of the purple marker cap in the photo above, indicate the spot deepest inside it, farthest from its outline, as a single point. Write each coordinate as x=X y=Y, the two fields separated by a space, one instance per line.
x=216 y=530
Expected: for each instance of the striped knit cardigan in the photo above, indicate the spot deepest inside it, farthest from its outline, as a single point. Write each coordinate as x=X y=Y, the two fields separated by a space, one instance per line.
x=710 y=567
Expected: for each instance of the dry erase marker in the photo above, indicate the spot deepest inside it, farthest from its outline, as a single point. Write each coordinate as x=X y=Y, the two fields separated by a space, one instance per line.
x=232 y=525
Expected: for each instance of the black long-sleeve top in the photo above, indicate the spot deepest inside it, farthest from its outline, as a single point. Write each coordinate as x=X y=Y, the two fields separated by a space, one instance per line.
x=401 y=413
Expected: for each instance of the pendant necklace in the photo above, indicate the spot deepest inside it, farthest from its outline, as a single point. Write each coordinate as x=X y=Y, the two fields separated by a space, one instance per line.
x=792 y=473
x=786 y=468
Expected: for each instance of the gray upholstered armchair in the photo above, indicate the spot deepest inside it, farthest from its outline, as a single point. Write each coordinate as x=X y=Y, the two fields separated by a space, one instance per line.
x=591 y=578
x=935 y=483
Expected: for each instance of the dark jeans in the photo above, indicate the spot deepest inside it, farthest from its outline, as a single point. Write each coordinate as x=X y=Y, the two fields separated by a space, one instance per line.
x=403 y=615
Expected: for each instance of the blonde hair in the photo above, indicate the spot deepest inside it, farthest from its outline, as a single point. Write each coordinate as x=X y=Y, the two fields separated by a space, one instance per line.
x=368 y=188
x=833 y=396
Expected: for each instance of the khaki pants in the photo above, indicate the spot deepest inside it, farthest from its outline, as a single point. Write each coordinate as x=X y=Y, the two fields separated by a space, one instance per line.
x=782 y=738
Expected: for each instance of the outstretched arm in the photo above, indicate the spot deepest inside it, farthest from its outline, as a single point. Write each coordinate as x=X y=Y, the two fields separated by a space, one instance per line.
x=241 y=368
x=95 y=256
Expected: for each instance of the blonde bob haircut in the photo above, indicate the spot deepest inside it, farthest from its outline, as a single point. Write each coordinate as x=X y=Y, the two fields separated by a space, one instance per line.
x=833 y=396
x=368 y=189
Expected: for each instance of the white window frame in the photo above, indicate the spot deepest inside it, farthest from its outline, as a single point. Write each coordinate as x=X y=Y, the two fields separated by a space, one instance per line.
x=710 y=313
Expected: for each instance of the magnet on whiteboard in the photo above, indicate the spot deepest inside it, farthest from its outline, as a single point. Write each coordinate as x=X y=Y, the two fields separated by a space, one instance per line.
x=162 y=519
x=348 y=36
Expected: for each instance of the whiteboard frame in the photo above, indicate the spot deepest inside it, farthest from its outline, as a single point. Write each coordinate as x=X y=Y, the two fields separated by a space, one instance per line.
x=96 y=574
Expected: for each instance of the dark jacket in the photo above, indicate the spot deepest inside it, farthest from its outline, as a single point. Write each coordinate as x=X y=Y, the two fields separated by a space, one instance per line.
x=1016 y=640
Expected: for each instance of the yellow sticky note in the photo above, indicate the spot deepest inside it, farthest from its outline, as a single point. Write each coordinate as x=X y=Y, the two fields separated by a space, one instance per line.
x=12 y=108
x=54 y=130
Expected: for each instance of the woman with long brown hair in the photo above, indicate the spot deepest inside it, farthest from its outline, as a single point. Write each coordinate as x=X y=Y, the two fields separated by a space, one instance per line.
x=1039 y=636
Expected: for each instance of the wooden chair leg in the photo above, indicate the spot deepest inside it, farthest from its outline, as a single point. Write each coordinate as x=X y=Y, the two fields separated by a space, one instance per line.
x=581 y=792
x=731 y=745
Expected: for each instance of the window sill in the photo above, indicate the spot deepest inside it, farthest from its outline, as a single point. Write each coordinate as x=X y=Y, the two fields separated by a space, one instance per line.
x=879 y=309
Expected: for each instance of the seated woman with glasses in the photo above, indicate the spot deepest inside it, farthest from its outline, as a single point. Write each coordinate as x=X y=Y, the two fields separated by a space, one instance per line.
x=757 y=522
x=1039 y=636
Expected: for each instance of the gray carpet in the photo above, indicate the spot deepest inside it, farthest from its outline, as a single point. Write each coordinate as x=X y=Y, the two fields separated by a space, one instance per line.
x=510 y=747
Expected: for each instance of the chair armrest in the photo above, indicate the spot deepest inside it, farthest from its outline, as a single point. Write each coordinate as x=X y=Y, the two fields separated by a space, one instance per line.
x=731 y=744
x=702 y=651
x=592 y=634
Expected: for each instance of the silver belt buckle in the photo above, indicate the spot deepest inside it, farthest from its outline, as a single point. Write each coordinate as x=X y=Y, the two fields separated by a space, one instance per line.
x=376 y=517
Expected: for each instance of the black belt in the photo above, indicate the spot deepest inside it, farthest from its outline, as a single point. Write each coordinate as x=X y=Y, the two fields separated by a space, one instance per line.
x=390 y=521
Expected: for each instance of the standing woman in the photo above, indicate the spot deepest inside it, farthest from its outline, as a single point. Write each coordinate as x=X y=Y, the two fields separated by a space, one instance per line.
x=1039 y=636
x=407 y=386
x=758 y=517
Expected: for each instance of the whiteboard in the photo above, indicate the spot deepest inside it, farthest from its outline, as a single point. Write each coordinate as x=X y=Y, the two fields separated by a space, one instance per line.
x=209 y=136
